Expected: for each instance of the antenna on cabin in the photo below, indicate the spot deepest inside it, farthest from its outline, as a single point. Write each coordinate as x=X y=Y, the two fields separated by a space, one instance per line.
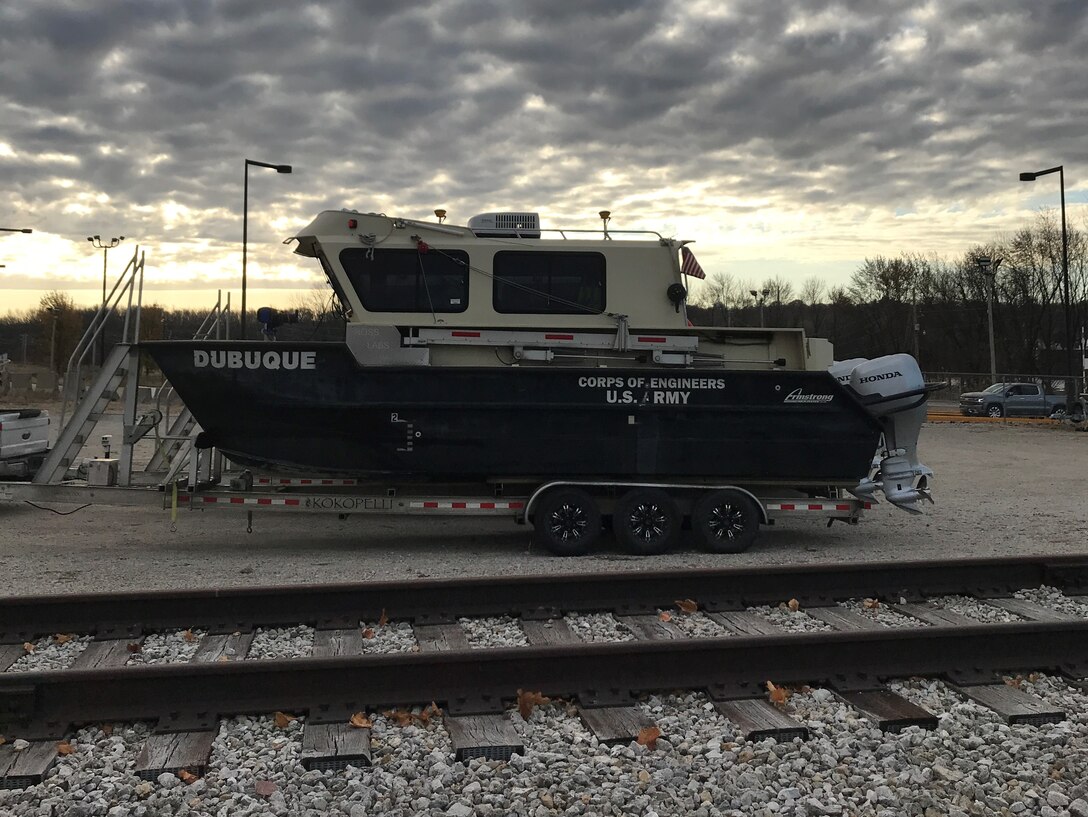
x=606 y=216
x=441 y=214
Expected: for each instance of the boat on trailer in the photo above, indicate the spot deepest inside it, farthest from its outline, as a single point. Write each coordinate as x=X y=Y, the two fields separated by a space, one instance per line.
x=503 y=352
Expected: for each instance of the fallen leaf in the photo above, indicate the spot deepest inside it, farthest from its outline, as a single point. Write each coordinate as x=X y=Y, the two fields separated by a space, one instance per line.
x=647 y=736
x=1016 y=681
x=186 y=776
x=778 y=695
x=871 y=604
x=222 y=659
x=383 y=619
x=28 y=646
x=360 y=721
x=794 y=605
x=368 y=632
x=283 y=720
x=107 y=729
x=64 y=748
x=135 y=647
x=401 y=717
x=527 y=700
x=265 y=788
x=687 y=606
x=665 y=615
x=3 y=740
x=63 y=638
x=428 y=712
x=189 y=636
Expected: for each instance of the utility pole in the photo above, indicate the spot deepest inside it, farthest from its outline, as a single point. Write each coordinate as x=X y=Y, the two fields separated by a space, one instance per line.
x=53 y=341
x=988 y=268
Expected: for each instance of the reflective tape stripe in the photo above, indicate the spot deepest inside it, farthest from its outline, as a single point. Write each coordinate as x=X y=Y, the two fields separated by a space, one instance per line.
x=817 y=506
x=453 y=505
x=248 y=500
x=303 y=481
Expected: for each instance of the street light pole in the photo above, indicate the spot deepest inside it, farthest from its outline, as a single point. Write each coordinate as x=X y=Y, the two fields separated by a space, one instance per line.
x=760 y=296
x=245 y=230
x=1070 y=378
x=15 y=230
x=105 y=246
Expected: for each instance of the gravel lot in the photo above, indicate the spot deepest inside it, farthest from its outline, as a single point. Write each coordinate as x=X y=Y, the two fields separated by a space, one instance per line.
x=999 y=490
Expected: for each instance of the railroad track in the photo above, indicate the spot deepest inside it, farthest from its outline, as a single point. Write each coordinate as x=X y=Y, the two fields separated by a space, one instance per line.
x=725 y=633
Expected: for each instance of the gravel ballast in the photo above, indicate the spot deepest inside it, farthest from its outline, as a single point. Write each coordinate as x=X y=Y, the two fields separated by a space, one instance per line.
x=972 y=763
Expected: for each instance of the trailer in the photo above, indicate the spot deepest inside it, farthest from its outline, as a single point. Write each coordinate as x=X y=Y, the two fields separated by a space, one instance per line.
x=568 y=517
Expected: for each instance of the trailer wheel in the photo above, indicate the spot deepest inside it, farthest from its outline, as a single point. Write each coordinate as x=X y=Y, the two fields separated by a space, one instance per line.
x=567 y=522
x=727 y=521
x=646 y=521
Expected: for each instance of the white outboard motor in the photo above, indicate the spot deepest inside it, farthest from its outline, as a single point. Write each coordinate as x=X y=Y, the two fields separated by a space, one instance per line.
x=893 y=390
x=841 y=369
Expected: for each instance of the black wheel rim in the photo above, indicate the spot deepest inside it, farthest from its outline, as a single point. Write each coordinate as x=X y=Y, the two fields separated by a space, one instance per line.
x=567 y=522
x=725 y=522
x=648 y=521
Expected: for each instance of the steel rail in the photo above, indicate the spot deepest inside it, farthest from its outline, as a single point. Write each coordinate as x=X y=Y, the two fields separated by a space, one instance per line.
x=444 y=600
x=482 y=680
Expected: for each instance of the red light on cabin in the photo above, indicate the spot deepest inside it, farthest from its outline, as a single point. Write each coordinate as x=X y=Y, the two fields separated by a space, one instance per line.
x=352 y=223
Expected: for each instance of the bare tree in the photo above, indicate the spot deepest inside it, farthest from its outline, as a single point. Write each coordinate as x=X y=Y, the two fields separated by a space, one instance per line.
x=719 y=294
x=60 y=326
x=812 y=295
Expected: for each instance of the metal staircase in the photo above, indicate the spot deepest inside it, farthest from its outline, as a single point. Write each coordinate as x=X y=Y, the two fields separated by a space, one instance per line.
x=86 y=415
x=121 y=367
x=181 y=427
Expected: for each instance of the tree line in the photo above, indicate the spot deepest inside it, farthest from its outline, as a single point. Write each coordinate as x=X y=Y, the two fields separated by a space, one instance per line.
x=49 y=333
x=933 y=308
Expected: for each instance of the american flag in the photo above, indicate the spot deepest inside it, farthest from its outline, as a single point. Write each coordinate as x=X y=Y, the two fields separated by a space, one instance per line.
x=690 y=266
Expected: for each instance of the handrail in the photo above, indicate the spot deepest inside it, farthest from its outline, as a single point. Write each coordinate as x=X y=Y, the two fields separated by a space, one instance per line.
x=131 y=278
x=218 y=321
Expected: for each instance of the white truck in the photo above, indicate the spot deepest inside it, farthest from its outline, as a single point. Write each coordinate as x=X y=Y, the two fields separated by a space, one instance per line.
x=24 y=441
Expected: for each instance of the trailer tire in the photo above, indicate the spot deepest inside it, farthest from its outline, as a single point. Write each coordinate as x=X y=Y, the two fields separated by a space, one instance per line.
x=646 y=521
x=726 y=521
x=567 y=522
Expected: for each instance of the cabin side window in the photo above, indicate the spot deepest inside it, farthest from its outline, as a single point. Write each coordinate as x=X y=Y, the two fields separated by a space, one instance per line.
x=548 y=283
x=408 y=280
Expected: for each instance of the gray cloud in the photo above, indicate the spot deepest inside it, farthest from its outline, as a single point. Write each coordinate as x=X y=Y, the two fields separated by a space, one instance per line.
x=869 y=103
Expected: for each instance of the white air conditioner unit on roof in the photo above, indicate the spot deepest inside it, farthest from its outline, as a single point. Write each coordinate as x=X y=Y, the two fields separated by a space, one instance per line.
x=505 y=225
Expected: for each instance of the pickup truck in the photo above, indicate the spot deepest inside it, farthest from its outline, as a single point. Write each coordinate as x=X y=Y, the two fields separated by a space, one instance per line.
x=1011 y=400
x=24 y=442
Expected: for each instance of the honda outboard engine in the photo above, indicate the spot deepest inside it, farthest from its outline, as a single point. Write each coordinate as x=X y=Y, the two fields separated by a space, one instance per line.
x=893 y=390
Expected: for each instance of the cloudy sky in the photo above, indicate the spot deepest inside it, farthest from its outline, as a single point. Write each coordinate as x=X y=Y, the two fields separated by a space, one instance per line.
x=791 y=138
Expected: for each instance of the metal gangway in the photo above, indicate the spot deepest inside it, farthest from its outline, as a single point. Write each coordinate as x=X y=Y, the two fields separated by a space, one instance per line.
x=83 y=407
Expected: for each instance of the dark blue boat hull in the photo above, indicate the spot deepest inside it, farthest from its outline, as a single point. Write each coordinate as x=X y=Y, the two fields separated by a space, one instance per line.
x=312 y=407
